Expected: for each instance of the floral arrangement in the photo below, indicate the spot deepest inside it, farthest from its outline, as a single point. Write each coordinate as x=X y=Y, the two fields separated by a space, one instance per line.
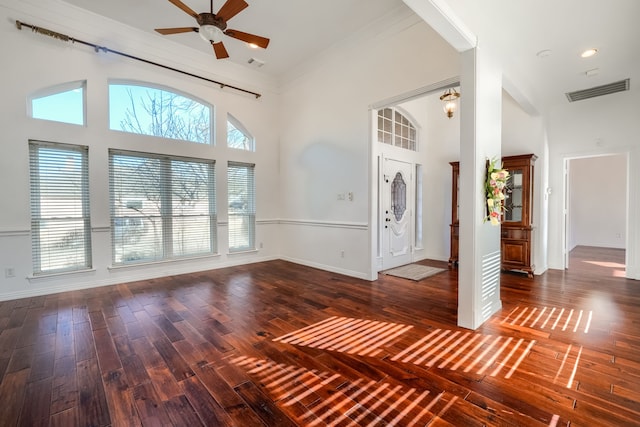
x=494 y=187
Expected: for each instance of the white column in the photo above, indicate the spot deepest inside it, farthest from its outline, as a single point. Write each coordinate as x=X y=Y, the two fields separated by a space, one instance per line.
x=480 y=139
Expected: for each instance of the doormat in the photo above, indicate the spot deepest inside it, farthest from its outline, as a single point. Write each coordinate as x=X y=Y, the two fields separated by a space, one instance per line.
x=414 y=271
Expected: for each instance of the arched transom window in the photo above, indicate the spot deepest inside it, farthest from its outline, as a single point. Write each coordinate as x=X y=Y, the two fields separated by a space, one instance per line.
x=396 y=129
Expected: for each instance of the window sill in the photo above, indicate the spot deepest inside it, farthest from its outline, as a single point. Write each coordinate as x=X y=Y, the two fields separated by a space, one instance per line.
x=247 y=251
x=160 y=262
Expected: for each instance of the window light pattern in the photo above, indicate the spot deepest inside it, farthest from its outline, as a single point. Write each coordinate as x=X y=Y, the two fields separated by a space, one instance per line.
x=350 y=402
x=396 y=129
x=442 y=348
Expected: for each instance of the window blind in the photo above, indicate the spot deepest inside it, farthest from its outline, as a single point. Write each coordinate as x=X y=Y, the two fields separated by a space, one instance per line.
x=60 y=218
x=162 y=207
x=242 y=206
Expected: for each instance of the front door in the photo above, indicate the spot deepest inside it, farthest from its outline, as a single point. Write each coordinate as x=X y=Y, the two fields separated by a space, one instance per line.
x=396 y=213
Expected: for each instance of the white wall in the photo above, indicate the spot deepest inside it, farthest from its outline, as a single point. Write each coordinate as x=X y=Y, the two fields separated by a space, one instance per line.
x=597 y=206
x=32 y=61
x=325 y=137
x=605 y=125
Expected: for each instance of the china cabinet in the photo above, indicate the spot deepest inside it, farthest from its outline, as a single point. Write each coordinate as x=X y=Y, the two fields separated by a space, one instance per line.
x=517 y=226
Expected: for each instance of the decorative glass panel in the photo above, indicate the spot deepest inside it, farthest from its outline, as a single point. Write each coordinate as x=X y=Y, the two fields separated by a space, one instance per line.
x=513 y=202
x=399 y=196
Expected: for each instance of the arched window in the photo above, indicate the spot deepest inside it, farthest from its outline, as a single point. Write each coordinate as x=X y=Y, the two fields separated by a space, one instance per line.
x=238 y=136
x=396 y=129
x=147 y=110
x=61 y=103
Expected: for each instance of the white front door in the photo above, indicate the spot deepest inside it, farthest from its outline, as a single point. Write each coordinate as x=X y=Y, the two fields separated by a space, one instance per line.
x=397 y=203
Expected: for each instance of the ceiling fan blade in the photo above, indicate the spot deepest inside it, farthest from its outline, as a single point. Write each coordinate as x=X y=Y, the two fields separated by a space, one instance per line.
x=184 y=7
x=231 y=8
x=177 y=30
x=220 y=50
x=263 y=42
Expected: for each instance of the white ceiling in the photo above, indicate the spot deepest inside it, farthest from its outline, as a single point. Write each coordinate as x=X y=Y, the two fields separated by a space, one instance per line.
x=515 y=29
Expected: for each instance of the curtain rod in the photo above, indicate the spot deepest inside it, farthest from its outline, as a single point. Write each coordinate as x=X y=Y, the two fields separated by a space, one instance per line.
x=98 y=48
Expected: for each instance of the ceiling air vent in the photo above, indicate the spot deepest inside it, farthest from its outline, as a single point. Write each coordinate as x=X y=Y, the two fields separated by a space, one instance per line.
x=579 y=95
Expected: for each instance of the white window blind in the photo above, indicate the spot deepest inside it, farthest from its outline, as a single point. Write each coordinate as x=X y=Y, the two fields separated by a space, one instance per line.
x=242 y=206
x=162 y=207
x=60 y=219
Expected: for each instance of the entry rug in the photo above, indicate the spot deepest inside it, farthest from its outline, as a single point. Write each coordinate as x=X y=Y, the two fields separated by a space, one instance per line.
x=414 y=271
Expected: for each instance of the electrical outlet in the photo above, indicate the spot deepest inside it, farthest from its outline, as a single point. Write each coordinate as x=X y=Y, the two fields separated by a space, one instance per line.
x=341 y=254
x=9 y=272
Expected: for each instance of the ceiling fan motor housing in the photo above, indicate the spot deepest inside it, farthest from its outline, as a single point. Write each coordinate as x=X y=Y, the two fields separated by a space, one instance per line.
x=211 y=19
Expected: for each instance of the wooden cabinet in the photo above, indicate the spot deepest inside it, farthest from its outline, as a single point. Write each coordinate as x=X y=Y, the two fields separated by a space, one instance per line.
x=517 y=224
x=517 y=227
x=455 y=208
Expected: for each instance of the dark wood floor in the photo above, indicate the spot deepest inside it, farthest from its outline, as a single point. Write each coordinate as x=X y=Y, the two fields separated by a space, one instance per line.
x=279 y=344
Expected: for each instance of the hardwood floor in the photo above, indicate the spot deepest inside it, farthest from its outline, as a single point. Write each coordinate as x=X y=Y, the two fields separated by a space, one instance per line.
x=279 y=344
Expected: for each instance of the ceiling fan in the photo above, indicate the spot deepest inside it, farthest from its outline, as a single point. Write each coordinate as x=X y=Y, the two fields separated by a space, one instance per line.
x=213 y=25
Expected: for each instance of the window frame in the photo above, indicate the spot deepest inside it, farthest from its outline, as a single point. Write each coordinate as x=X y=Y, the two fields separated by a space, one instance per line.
x=57 y=90
x=37 y=218
x=231 y=120
x=168 y=89
x=166 y=209
x=249 y=212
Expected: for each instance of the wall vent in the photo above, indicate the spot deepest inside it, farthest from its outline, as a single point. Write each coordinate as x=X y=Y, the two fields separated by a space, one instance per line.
x=579 y=95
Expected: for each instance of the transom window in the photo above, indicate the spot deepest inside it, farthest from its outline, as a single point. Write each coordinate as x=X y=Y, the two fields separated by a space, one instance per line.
x=396 y=129
x=162 y=207
x=61 y=103
x=152 y=111
x=237 y=136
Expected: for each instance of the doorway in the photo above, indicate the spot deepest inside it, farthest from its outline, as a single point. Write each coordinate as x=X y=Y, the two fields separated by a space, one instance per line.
x=595 y=207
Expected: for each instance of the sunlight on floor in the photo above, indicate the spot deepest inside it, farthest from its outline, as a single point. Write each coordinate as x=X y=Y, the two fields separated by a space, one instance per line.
x=454 y=350
x=356 y=402
x=619 y=269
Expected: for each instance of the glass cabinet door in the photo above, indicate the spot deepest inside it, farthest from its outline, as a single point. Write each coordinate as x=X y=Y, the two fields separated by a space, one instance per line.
x=513 y=201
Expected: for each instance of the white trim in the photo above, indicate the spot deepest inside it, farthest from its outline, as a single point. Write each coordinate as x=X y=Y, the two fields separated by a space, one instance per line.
x=417 y=93
x=325 y=267
x=14 y=233
x=331 y=224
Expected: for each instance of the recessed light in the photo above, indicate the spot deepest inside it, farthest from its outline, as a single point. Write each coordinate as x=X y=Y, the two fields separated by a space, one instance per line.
x=589 y=52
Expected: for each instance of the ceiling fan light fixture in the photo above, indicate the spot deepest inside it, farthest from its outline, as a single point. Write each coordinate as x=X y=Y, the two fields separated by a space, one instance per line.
x=210 y=33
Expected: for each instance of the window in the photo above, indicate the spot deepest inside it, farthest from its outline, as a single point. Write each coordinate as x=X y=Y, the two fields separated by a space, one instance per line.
x=60 y=220
x=242 y=207
x=152 y=111
x=62 y=103
x=395 y=129
x=237 y=136
x=161 y=207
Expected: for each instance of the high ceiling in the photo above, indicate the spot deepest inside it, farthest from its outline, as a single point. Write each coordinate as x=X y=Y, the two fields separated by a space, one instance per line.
x=515 y=30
